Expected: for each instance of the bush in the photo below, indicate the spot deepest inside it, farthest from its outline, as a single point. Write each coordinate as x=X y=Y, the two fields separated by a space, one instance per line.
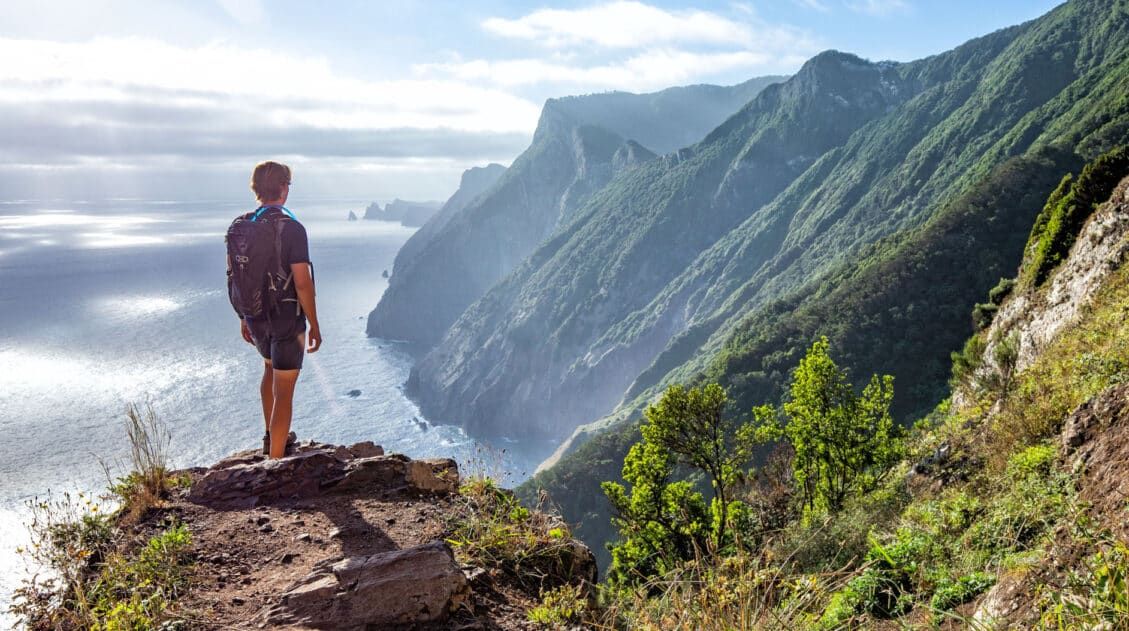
x=493 y=529
x=564 y=605
x=96 y=585
x=950 y=593
x=1068 y=208
x=1001 y=291
x=983 y=313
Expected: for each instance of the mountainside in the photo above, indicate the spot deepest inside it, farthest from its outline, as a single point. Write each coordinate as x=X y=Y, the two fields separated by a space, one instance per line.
x=1050 y=92
x=579 y=145
x=512 y=364
x=473 y=183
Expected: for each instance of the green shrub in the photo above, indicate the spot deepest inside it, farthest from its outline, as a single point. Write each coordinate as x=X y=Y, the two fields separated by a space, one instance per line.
x=493 y=529
x=564 y=605
x=949 y=593
x=983 y=313
x=1001 y=291
x=1069 y=207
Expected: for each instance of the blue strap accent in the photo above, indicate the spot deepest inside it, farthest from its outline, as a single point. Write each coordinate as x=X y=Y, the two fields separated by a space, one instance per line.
x=262 y=209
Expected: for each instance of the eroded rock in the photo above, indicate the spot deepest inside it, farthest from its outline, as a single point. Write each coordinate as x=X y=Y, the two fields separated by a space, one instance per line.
x=248 y=479
x=420 y=584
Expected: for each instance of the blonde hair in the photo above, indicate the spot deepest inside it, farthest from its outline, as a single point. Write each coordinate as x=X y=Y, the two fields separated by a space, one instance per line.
x=268 y=179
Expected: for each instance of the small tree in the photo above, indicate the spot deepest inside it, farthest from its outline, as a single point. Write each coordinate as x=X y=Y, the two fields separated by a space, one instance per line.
x=843 y=442
x=661 y=522
x=691 y=424
x=662 y=518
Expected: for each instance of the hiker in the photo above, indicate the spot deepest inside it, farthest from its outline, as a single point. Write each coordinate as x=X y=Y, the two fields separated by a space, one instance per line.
x=271 y=286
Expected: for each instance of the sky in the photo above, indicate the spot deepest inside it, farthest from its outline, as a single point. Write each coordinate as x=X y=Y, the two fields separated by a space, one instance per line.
x=171 y=99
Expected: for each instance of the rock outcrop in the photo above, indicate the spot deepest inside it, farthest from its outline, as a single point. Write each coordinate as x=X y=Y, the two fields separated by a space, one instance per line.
x=345 y=537
x=248 y=479
x=1030 y=320
x=420 y=584
x=580 y=145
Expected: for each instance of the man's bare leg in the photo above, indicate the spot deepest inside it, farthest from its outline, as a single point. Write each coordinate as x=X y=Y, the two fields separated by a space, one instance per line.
x=266 y=391
x=283 y=410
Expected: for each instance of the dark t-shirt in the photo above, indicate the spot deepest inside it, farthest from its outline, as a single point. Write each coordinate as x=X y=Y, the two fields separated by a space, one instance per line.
x=295 y=245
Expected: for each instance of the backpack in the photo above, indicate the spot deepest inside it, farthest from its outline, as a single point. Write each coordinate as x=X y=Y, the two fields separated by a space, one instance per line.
x=257 y=283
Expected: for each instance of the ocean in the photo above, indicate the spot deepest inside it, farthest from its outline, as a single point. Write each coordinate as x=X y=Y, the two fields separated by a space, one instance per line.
x=104 y=304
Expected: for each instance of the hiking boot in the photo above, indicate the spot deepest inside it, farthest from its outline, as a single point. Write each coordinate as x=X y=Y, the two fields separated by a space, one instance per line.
x=291 y=438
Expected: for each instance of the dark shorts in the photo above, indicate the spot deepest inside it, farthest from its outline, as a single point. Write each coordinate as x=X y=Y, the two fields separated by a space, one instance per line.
x=280 y=341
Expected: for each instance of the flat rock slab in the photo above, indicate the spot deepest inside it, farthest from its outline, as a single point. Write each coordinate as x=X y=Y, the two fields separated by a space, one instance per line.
x=415 y=585
x=248 y=478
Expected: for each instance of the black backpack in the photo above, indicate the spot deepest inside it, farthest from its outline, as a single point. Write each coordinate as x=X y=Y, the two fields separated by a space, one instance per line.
x=257 y=282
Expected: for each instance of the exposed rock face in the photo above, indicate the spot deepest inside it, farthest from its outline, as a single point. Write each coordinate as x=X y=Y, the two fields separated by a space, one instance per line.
x=373 y=211
x=1035 y=318
x=406 y=212
x=420 y=584
x=248 y=479
x=579 y=145
x=558 y=342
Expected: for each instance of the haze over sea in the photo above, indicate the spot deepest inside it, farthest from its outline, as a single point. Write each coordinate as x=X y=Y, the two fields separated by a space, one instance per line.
x=108 y=303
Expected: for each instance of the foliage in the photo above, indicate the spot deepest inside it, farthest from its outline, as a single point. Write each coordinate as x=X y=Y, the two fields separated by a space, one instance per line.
x=91 y=582
x=844 y=443
x=148 y=479
x=950 y=593
x=493 y=529
x=691 y=425
x=664 y=522
x=1096 y=596
x=1067 y=210
x=563 y=605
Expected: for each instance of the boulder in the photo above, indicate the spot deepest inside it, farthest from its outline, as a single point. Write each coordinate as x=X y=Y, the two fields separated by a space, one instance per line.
x=248 y=479
x=402 y=587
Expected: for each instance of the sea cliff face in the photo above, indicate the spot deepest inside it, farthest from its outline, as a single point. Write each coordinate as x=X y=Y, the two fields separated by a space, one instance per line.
x=579 y=145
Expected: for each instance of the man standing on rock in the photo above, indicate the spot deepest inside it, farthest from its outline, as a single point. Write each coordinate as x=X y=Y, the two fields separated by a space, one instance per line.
x=271 y=286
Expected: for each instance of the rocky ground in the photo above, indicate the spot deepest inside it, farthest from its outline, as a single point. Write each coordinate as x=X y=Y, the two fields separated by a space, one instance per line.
x=333 y=538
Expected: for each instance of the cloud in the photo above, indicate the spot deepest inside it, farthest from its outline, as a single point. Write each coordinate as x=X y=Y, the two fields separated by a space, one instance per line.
x=621 y=24
x=817 y=5
x=647 y=70
x=246 y=12
x=877 y=7
x=283 y=89
x=141 y=132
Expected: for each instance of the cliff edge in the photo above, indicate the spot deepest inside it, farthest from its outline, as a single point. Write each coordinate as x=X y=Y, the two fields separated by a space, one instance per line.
x=336 y=537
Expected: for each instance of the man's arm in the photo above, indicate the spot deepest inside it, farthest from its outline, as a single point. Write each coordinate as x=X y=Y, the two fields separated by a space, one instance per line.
x=304 y=285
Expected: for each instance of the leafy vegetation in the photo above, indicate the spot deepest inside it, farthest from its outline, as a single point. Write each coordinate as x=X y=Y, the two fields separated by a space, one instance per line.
x=494 y=530
x=1067 y=209
x=95 y=577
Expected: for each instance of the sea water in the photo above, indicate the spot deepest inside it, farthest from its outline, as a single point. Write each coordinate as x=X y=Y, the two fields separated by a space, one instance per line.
x=111 y=303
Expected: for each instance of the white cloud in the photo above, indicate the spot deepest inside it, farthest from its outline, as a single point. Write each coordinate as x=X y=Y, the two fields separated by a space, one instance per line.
x=621 y=24
x=877 y=7
x=817 y=5
x=275 y=87
x=647 y=70
x=247 y=12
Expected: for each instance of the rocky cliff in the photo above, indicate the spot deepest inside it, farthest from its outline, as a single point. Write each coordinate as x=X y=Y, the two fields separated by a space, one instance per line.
x=580 y=144
x=335 y=537
x=473 y=183
x=960 y=167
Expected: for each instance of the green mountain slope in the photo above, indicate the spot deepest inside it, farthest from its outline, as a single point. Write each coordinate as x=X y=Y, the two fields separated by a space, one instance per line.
x=505 y=365
x=1054 y=96
x=580 y=143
